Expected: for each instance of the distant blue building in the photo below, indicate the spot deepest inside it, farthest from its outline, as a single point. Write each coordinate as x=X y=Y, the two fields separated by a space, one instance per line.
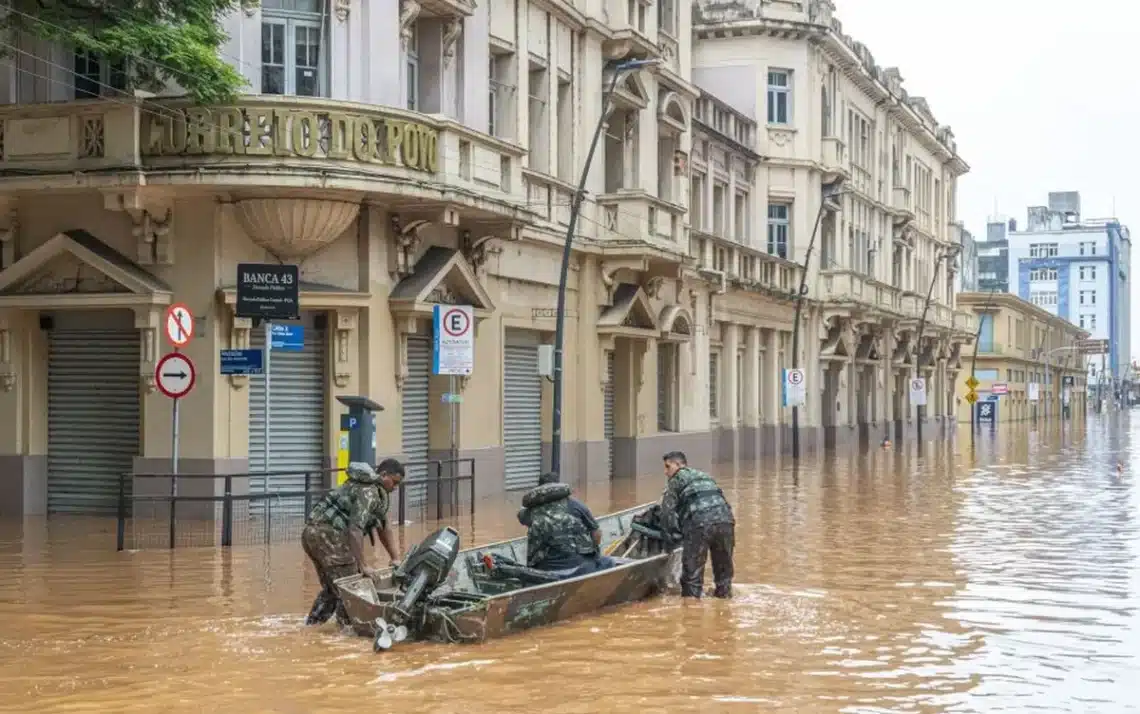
x=1078 y=269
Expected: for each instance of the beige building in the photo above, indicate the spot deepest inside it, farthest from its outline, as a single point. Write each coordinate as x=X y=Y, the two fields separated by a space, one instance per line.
x=832 y=122
x=1027 y=360
x=446 y=178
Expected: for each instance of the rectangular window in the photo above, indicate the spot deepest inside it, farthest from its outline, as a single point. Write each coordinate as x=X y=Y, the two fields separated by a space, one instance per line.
x=740 y=217
x=538 y=136
x=986 y=334
x=986 y=375
x=1043 y=275
x=565 y=119
x=714 y=370
x=1088 y=297
x=1088 y=322
x=1088 y=272
x=778 y=228
x=502 y=96
x=412 y=60
x=1088 y=248
x=1042 y=250
x=291 y=48
x=779 y=97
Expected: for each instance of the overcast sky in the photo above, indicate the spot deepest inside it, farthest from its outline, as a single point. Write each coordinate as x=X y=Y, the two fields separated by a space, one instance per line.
x=1041 y=98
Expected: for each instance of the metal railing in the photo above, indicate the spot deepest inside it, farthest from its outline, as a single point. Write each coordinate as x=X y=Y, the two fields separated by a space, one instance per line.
x=205 y=518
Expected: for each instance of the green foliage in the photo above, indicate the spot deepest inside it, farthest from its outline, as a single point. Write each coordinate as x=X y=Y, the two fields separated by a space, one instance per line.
x=159 y=41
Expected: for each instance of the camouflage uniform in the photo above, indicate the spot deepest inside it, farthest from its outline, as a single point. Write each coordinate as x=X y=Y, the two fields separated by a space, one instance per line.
x=557 y=538
x=695 y=506
x=360 y=503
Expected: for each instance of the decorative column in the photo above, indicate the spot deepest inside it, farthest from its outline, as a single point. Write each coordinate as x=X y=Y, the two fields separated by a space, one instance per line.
x=752 y=377
x=772 y=378
x=728 y=356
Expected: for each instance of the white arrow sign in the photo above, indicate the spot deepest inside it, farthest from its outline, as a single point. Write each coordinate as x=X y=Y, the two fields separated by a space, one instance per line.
x=174 y=375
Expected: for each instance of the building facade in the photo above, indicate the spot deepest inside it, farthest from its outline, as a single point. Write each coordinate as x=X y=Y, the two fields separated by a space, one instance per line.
x=993 y=257
x=446 y=177
x=1026 y=362
x=858 y=175
x=1078 y=269
x=967 y=262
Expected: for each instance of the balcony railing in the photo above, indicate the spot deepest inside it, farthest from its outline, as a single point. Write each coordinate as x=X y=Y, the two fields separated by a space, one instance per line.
x=834 y=156
x=749 y=268
x=336 y=139
x=900 y=200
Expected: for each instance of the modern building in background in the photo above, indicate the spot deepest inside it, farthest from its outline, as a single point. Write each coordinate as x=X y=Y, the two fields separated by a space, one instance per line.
x=1025 y=366
x=967 y=262
x=441 y=172
x=993 y=257
x=1078 y=268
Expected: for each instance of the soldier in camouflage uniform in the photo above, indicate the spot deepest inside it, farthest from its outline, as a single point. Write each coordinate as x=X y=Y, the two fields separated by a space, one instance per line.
x=333 y=537
x=694 y=506
x=557 y=537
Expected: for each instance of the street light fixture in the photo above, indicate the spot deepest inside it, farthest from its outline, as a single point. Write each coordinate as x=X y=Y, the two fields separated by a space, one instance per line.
x=948 y=252
x=830 y=192
x=618 y=69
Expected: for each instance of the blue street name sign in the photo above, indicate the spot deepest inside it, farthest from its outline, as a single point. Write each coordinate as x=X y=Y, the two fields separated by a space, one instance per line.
x=290 y=338
x=242 y=362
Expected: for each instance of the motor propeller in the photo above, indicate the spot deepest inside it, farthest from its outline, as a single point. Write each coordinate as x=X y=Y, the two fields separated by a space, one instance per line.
x=388 y=635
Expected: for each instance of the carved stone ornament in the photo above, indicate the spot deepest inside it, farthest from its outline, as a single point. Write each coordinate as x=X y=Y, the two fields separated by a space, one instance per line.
x=408 y=242
x=7 y=373
x=147 y=320
x=346 y=322
x=67 y=274
x=451 y=32
x=152 y=238
x=240 y=328
x=8 y=235
x=409 y=12
x=250 y=7
x=341 y=8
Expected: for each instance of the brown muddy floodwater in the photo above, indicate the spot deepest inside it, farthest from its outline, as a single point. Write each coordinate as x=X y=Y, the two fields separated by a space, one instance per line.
x=1001 y=576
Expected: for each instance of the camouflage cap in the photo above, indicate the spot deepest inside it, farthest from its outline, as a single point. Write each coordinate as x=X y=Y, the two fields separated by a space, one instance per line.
x=546 y=493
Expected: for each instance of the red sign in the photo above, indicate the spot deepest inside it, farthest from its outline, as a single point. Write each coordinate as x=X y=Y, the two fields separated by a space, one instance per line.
x=179 y=326
x=999 y=388
x=174 y=375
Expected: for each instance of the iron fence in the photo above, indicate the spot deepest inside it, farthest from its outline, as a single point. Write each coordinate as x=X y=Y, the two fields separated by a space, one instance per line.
x=189 y=512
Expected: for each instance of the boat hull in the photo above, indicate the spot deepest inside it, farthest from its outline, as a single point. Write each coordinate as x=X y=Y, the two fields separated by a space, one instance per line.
x=468 y=608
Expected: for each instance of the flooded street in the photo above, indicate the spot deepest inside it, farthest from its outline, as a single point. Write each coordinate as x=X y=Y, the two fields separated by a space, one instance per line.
x=999 y=576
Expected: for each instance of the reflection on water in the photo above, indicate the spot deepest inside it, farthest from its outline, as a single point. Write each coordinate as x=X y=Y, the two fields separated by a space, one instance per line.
x=994 y=576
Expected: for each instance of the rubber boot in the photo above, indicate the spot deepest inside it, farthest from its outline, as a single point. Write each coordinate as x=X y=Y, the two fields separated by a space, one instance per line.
x=323 y=608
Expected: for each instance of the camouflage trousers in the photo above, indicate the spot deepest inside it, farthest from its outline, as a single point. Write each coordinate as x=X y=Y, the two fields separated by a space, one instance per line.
x=332 y=559
x=698 y=544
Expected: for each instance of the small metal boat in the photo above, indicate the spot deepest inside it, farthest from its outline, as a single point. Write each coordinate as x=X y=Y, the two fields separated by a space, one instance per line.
x=445 y=594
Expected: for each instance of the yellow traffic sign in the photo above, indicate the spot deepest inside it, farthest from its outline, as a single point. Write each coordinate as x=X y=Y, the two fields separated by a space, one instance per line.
x=972 y=382
x=971 y=396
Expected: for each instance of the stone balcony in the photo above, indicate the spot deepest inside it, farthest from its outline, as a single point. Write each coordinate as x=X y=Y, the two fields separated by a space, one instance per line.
x=261 y=141
x=747 y=267
x=833 y=158
x=848 y=286
x=632 y=215
x=901 y=204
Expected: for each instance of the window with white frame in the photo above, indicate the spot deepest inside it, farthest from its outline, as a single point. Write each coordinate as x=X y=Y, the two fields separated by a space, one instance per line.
x=1088 y=322
x=292 y=48
x=779 y=226
x=1042 y=250
x=412 y=62
x=1043 y=275
x=1088 y=272
x=779 y=96
x=564 y=115
x=1043 y=299
x=94 y=76
x=667 y=17
x=1088 y=297
x=502 y=95
x=538 y=134
x=740 y=217
x=1088 y=248
x=697 y=201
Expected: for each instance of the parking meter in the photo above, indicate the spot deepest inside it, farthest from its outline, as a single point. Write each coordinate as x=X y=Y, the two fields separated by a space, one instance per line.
x=357 y=440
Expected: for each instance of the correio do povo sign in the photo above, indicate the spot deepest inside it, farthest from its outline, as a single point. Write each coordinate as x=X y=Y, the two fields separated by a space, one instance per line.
x=268 y=291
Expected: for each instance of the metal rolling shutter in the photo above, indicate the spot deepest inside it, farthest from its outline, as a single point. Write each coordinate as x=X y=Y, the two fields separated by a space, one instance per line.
x=608 y=412
x=522 y=416
x=93 y=417
x=415 y=419
x=297 y=417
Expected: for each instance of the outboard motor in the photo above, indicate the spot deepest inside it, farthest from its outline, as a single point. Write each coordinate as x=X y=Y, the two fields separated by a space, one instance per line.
x=424 y=569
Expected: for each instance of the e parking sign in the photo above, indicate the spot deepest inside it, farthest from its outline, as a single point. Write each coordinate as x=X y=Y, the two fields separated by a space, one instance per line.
x=453 y=350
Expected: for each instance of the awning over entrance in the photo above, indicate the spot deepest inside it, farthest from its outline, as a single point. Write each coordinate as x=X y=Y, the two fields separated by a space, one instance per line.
x=629 y=315
x=75 y=270
x=441 y=276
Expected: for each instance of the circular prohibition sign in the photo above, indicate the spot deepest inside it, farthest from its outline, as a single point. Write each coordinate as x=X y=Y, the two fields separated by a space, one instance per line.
x=456 y=323
x=795 y=376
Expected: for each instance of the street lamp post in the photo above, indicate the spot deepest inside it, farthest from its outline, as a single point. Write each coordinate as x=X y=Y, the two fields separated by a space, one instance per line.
x=977 y=343
x=801 y=293
x=920 y=409
x=618 y=69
